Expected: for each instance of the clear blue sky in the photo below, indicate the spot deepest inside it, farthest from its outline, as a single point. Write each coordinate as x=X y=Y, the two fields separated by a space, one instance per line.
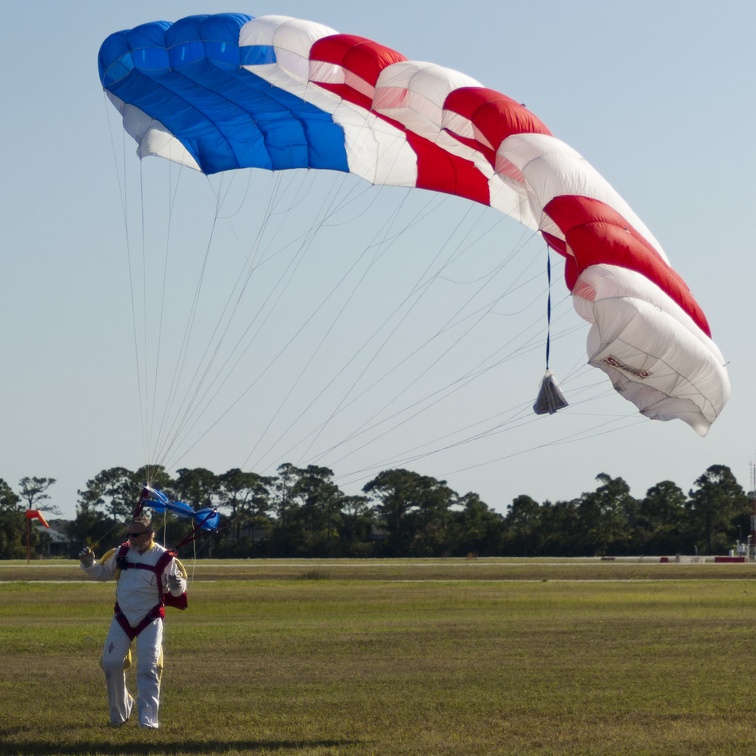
x=657 y=96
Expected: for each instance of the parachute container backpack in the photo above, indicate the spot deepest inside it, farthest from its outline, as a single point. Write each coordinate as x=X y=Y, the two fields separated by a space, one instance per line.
x=228 y=91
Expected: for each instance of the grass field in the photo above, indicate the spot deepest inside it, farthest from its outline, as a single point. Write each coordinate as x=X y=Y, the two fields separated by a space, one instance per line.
x=397 y=657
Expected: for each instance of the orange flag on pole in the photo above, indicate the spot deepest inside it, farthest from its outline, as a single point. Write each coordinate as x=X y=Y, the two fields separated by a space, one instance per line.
x=35 y=514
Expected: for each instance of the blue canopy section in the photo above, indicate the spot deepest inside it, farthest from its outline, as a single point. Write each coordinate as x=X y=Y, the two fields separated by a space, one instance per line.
x=207 y=519
x=204 y=519
x=188 y=75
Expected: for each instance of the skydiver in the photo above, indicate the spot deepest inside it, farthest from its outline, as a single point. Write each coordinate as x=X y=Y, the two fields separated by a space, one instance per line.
x=144 y=572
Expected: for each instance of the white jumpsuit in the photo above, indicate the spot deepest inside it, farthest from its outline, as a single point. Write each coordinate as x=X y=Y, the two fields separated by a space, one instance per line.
x=136 y=594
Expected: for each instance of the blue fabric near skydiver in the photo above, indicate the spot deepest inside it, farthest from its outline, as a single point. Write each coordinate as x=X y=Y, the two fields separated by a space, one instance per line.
x=204 y=519
x=157 y=67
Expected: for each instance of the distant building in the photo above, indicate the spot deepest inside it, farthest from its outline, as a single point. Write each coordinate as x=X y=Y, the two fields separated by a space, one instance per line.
x=56 y=542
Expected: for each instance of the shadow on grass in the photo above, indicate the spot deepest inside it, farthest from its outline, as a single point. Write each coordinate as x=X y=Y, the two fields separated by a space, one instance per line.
x=132 y=746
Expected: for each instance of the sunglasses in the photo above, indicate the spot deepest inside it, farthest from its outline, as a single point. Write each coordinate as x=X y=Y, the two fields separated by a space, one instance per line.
x=138 y=535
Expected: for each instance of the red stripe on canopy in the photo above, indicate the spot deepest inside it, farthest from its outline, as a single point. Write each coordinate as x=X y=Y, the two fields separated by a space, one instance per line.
x=597 y=234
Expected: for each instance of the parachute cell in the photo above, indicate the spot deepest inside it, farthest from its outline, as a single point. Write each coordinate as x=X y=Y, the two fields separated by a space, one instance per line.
x=228 y=91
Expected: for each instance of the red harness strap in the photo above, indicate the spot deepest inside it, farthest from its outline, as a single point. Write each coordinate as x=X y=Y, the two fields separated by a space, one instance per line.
x=154 y=613
x=158 y=568
x=158 y=611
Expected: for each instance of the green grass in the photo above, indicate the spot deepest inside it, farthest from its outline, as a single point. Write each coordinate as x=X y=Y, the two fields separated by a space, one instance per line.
x=328 y=658
x=410 y=569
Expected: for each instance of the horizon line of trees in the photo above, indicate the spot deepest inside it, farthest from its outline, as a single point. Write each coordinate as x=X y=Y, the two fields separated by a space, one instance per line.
x=301 y=512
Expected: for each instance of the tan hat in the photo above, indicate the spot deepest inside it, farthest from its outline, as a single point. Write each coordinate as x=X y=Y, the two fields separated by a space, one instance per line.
x=144 y=520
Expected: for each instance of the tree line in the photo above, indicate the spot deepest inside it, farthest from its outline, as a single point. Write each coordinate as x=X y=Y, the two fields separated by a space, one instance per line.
x=301 y=512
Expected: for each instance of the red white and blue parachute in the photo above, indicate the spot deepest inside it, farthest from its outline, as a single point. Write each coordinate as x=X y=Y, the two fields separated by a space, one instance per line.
x=228 y=91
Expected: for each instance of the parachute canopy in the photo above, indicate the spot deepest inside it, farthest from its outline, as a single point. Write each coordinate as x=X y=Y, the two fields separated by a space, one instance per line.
x=228 y=91
x=204 y=519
